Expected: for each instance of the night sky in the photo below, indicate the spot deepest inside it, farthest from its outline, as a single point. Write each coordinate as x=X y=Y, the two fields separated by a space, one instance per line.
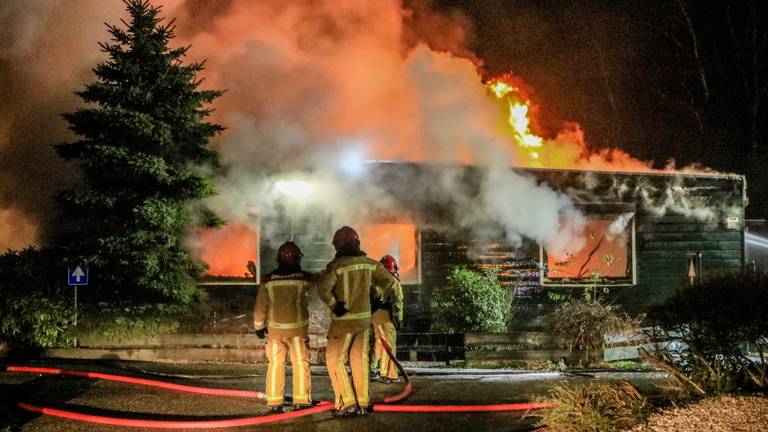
x=662 y=80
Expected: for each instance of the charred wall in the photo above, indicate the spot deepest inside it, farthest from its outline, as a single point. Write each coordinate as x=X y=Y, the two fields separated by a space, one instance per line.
x=678 y=219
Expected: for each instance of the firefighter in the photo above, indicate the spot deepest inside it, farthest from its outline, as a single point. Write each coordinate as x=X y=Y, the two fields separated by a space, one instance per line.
x=387 y=318
x=345 y=287
x=282 y=315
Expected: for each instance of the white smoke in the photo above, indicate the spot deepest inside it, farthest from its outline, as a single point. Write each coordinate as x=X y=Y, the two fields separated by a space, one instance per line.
x=313 y=89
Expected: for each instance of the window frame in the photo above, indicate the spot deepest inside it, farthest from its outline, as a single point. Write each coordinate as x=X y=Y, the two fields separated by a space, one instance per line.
x=417 y=247
x=598 y=209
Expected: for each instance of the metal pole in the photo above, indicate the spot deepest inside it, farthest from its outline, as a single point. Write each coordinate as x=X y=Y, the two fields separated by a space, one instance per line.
x=75 y=314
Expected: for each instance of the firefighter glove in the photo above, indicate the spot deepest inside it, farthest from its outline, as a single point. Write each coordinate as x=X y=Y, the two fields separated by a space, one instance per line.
x=261 y=333
x=340 y=309
x=376 y=303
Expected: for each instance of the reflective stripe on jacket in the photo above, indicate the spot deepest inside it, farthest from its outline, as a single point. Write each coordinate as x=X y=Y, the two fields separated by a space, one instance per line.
x=282 y=302
x=392 y=303
x=349 y=279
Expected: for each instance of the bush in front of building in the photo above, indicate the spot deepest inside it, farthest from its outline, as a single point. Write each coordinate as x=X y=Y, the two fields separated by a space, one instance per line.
x=471 y=301
x=584 y=324
x=605 y=407
x=127 y=320
x=35 y=310
x=713 y=336
x=37 y=307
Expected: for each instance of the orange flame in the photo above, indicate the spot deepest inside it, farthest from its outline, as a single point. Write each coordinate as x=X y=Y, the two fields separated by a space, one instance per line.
x=227 y=249
x=396 y=239
x=604 y=254
x=567 y=150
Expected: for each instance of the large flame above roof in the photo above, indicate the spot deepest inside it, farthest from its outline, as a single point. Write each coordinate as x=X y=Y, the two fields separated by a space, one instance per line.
x=567 y=149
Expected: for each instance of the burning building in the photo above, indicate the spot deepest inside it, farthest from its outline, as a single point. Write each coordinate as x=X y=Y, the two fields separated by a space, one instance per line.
x=640 y=235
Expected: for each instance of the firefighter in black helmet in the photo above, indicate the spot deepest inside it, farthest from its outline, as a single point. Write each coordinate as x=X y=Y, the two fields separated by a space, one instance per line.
x=282 y=315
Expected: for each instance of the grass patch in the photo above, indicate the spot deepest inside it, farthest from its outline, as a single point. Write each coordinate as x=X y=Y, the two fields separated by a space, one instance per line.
x=628 y=364
x=605 y=407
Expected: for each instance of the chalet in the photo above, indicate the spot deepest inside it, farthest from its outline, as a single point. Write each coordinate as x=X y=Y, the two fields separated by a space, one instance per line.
x=645 y=234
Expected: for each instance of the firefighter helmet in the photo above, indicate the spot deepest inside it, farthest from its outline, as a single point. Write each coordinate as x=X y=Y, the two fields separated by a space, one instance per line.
x=289 y=253
x=345 y=237
x=389 y=263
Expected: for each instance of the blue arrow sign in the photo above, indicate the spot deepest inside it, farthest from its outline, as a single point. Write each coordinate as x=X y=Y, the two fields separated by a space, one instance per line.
x=77 y=275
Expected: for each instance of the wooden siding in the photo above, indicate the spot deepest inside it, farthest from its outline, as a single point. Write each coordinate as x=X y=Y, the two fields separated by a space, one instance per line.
x=662 y=247
x=662 y=243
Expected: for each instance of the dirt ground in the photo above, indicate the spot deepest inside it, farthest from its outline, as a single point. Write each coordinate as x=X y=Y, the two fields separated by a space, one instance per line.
x=724 y=414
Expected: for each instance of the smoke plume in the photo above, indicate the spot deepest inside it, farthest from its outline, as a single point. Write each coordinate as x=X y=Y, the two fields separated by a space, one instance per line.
x=314 y=87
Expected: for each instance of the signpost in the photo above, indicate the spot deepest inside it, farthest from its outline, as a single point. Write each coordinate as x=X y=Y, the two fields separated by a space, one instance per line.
x=77 y=276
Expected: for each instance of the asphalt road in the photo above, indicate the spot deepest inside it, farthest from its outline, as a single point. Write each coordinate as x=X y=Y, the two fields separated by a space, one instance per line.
x=126 y=400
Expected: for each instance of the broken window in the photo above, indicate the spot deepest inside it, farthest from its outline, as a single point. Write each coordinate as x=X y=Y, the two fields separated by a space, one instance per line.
x=606 y=257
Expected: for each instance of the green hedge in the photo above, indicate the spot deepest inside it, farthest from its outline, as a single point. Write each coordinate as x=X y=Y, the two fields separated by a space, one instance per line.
x=35 y=311
x=471 y=301
x=713 y=324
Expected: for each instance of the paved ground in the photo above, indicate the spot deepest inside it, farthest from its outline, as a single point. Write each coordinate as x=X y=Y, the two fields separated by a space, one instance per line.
x=124 y=400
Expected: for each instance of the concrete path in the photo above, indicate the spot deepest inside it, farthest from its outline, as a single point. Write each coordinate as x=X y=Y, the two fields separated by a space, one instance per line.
x=432 y=386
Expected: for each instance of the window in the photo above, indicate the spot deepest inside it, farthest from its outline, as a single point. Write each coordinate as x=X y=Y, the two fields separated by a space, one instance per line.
x=227 y=249
x=607 y=256
x=401 y=240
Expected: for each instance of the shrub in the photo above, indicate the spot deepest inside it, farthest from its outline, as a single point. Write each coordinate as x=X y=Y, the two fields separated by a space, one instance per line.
x=701 y=333
x=35 y=312
x=584 y=324
x=596 y=407
x=128 y=320
x=471 y=301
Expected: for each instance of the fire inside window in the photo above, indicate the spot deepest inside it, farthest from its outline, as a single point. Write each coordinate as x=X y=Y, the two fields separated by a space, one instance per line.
x=401 y=240
x=228 y=249
x=607 y=255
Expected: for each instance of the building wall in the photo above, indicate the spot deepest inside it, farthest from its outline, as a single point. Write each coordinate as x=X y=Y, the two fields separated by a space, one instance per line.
x=665 y=245
x=668 y=232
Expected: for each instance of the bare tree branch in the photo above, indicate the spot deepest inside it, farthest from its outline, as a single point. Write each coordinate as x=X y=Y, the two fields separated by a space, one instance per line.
x=695 y=49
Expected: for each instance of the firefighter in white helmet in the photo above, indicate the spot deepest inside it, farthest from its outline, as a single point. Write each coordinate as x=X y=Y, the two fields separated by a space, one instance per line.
x=282 y=315
x=345 y=287
x=387 y=308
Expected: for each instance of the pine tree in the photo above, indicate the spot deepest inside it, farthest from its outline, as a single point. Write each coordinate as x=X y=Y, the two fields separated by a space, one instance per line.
x=143 y=153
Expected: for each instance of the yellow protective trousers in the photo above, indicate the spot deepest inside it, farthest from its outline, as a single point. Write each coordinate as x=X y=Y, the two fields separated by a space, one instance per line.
x=277 y=348
x=349 y=347
x=386 y=366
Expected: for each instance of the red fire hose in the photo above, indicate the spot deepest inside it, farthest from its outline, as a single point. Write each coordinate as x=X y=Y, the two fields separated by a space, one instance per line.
x=177 y=424
x=246 y=421
x=140 y=381
x=408 y=387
